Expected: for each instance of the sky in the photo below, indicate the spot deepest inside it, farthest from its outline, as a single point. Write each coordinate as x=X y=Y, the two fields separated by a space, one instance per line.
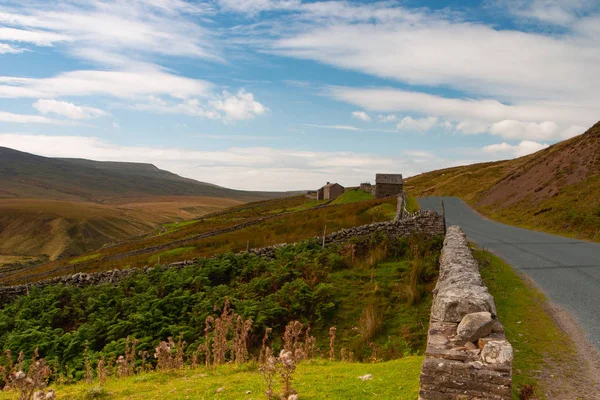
x=290 y=94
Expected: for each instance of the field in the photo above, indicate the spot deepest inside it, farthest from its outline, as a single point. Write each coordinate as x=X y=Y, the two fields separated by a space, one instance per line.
x=554 y=190
x=398 y=379
x=234 y=229
x=49 y=229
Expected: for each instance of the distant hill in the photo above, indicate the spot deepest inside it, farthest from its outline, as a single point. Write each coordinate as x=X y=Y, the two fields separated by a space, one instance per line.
x=556 y=189
x=24 y=175
x=56 y=207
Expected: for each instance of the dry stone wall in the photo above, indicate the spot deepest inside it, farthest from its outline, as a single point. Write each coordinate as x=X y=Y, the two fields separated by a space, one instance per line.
x=467 y=356
x=427 y=223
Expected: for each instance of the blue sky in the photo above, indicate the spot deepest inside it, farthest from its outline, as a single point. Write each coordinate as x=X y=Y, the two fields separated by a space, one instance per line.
x=288 y=94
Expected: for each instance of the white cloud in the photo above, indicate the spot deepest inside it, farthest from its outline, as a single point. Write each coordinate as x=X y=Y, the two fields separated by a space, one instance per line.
x=350 y=128
x=511 y=129
x=239 y=106
x=339 y=127
x=39 y=38
x=67 y=109
x=432 y=48
x=363 y=116
x=489 y=110
x=507 y=150
x=32 y=119
x=130 y=29
x=251 y=168
x=387 y=118
x=533 y=121
x=256 y=6
x=149 y=81
x=422 y=124
x=8 y=49
x=228 y=107
x=558 y=12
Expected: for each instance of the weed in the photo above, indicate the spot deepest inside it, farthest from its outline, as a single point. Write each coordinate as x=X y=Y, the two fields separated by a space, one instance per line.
x=370 y=322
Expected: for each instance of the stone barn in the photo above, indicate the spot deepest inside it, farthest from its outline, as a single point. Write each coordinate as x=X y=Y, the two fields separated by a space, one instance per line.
x=330 y=191
x=367 y=187
x=388 y=185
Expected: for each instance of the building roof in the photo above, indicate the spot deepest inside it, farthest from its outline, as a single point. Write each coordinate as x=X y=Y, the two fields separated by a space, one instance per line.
x=393 y=179
x=332 y=184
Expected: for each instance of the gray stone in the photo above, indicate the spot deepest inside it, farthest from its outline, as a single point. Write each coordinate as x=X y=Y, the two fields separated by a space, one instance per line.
x=497 y=352
x=474 y=326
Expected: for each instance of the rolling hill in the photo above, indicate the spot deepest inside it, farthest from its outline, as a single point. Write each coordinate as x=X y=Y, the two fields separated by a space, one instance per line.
x=555 y=190
x=24 y=175
x=54 y=207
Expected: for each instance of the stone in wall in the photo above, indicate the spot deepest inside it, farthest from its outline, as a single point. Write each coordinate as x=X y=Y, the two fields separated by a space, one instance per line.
x=467 y=356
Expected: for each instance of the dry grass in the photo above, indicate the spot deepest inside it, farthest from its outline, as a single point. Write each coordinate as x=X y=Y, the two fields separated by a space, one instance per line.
x=554 y=190
x=35 y=228
x=277 y=228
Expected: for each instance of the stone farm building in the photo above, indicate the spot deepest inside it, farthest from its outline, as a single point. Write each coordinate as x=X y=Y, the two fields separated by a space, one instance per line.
x=330 y=191
x=388 y=185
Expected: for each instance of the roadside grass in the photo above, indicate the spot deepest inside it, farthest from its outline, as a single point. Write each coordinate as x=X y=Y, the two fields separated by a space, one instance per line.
x=318 y=379
x=538 y=344
x=353 y=196
x=412 y=204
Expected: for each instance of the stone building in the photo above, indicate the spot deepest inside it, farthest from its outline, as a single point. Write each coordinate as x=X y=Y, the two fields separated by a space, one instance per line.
x=388 y=185
x=367 y=187
x=330 y=191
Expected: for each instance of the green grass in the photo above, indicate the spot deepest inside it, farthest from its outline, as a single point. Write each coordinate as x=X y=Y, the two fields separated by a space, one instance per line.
x=173 y=226
x=537 y=342
x=165 y=256
x=397 y=379
x=412 y=204
x=309 y=205
x=353 y=196
x=85 y=258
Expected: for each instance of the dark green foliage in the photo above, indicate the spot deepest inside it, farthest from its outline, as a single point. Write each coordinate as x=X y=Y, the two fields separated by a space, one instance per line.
x=299 y=284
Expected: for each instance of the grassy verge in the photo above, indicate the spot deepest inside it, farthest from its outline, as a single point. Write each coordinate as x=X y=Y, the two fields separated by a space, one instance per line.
x=537 y=342
x=397 y=379
x=353 y=196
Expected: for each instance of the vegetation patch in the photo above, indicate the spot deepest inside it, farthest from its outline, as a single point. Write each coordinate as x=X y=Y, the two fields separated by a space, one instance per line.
x=363 y=288
x=353 y=196
x=398 y=379
x=82 y=259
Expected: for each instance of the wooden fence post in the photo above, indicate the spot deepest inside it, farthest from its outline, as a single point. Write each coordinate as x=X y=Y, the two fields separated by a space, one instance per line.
x=324 y=234
x=444 y=216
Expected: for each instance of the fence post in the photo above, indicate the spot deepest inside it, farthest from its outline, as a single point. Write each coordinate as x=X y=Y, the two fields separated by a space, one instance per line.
x=444 y=216
x=324 y=234
x=27 y=285
x=248 y=246
x=74 y=268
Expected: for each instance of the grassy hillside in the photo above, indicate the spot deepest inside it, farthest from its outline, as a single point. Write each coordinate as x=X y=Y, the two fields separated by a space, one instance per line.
x=554 y=190
x=47 y=229
x=251 y=225
x=24 y=175
x=51 y=208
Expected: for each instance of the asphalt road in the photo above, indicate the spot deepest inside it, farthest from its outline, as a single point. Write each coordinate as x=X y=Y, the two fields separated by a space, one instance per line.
x=567 y=270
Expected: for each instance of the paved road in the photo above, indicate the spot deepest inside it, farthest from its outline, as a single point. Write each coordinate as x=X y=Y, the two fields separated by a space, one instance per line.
x=567 y=270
